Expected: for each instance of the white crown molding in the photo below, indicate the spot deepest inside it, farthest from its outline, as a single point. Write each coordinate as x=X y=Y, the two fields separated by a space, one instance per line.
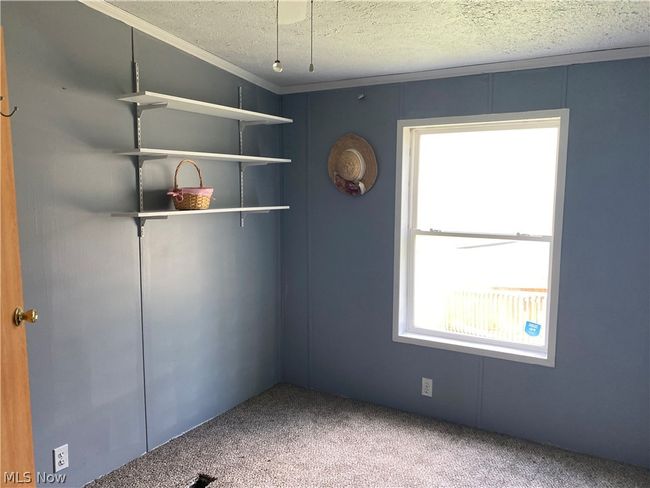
x=477 y=69
x=164 y=36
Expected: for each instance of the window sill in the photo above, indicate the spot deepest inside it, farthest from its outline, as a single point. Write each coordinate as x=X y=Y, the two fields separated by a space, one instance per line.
x=487 y=350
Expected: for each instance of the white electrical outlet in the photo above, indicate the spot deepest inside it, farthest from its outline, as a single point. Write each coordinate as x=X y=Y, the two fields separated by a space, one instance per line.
x=427 y=387
x=61 y=460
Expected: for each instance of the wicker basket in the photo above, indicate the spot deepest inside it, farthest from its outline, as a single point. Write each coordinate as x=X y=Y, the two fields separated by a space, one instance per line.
x=190 y=198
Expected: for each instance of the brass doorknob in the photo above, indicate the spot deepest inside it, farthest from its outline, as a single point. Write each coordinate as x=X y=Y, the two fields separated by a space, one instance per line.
x=21 y=315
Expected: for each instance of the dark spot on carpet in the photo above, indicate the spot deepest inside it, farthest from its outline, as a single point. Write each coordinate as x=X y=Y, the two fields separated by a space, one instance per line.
x=201 y=481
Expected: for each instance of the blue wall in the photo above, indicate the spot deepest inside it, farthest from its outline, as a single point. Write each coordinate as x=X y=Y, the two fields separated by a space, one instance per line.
x=338 y=262
x=212 y=300
x=211 y=290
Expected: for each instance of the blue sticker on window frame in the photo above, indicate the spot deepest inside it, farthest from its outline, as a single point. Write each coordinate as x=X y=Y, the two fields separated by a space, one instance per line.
x=532 y=329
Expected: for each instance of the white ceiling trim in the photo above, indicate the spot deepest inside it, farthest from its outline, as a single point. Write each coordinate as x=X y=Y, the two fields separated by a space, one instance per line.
x=535 y=63
x=477 y=69
x=162 y=35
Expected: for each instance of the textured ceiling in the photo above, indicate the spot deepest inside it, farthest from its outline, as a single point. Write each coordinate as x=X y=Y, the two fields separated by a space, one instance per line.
x=367 y=38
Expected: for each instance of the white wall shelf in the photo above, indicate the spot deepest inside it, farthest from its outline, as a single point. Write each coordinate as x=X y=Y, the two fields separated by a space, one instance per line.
x=163 y=214
x=155 y=100
x=146 y=100
x=149 y=153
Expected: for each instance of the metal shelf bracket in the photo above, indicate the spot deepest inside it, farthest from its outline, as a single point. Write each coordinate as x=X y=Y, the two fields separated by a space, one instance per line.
x=142 y=108
x=242 y=166
x=140 y=221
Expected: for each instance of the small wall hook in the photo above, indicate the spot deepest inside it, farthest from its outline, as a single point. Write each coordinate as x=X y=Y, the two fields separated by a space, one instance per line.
x=12 y=112
x=9 y=114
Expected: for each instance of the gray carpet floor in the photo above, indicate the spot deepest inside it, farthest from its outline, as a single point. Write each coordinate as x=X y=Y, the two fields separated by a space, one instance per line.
x=291 y=437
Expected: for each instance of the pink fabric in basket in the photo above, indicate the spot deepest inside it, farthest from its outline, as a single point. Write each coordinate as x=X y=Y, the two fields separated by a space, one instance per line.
x=178 y=192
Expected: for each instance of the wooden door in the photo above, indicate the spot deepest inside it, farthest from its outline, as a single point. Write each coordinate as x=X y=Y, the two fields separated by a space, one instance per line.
x=17 y=456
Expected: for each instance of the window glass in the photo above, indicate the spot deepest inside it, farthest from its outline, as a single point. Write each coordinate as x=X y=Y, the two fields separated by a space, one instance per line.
x=488 y=288
x=487 y=181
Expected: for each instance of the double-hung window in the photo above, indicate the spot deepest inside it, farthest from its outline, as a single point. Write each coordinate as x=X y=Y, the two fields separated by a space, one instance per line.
x=478 y=228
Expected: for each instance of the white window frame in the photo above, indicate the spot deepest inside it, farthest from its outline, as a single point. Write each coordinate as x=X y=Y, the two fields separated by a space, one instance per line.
x=405 y=230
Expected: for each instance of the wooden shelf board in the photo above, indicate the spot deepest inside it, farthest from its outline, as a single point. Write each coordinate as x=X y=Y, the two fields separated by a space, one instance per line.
x=161 y=214
x=235 y=158
x=145 y=98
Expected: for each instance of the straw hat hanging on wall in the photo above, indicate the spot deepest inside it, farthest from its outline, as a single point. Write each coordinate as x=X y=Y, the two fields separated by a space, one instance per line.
x=352 y=165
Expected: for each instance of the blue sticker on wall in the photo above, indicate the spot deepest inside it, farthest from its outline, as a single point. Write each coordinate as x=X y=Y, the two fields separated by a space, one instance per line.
x=532 y=329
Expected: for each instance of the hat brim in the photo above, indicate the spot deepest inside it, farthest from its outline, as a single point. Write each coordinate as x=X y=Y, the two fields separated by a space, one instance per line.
x=354 y=141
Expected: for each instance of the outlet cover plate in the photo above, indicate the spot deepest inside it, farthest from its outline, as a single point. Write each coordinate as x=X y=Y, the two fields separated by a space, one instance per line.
x=427 y=387
x=61 y=460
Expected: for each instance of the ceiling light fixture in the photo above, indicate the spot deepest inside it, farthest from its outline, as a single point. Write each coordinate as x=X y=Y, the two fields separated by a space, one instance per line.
x=277 y=65
x=311 y=47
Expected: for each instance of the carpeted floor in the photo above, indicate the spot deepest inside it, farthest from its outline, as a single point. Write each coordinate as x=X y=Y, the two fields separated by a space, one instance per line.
x=291 y=437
